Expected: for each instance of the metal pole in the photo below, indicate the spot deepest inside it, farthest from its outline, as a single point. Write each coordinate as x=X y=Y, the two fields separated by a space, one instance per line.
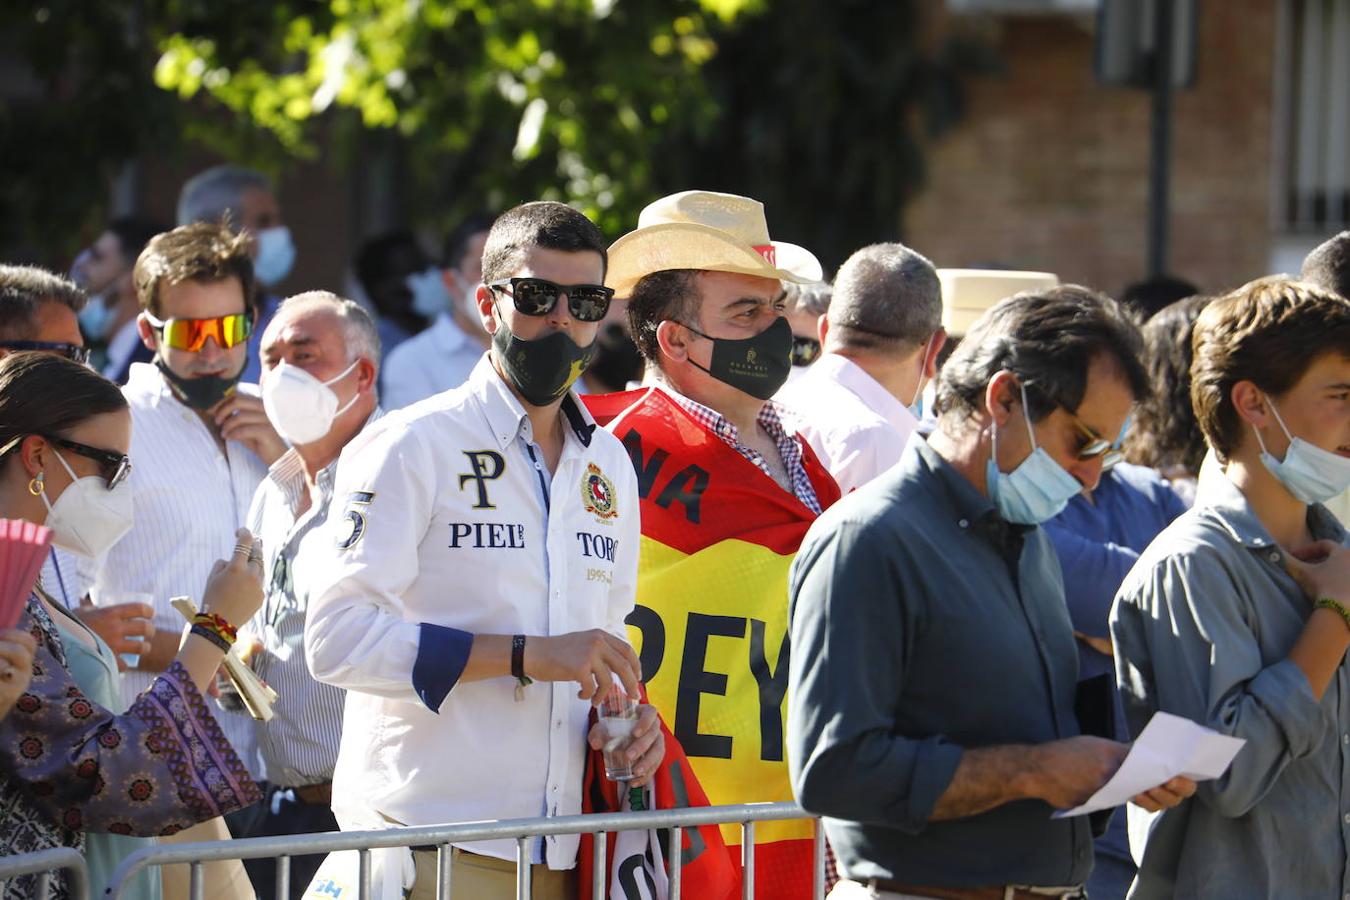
x=524 y=887
x=444 y=864
x=197 y=882
x=818 y=863
x=44 y=885
x=1160 y=137
x=363 y=875
x=748 y=860
x=676 y=857
x=599 y=869
x=283 y=885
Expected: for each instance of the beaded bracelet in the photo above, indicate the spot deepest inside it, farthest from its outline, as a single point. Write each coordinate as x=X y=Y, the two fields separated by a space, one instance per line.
x=1335 y=606
x=213 y=636
x=217 y=625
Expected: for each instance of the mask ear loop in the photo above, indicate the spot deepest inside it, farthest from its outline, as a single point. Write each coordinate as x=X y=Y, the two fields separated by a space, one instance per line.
x=1259 y=440
x=923 y=364
x=1026 y=417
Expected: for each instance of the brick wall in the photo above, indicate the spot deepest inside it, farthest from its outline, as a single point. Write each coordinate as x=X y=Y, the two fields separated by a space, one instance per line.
x=1050 y=170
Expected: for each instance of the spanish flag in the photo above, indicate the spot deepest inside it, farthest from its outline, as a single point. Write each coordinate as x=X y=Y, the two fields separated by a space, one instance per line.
x=710 y=625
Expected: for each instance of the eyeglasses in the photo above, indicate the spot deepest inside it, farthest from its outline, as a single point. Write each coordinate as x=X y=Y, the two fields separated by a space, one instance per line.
x=537 y=296
x=191 y=334
x=1094 y=445
x=72 y=352
x=116 y=466
x=805 y=350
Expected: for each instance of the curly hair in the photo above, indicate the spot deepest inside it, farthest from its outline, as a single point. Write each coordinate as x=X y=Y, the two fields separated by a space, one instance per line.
x=1165 y=433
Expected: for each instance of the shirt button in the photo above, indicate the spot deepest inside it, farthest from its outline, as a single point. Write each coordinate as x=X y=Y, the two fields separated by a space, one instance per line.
x=1345 y=739
x=964 y=523
x=555 y=789
x=1275 y=556
x=557 y=723
x=1347 y=818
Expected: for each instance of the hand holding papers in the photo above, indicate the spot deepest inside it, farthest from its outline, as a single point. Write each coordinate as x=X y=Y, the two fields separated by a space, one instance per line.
x=1169 y=746
x=258 y=697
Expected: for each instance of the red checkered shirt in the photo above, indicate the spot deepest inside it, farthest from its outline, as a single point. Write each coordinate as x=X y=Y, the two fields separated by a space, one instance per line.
x=770 y=418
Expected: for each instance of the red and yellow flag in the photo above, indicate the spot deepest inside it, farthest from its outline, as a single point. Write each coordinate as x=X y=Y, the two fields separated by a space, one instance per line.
x=710 y=625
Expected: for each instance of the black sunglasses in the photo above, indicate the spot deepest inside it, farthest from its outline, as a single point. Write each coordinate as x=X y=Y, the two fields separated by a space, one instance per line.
x=116 y=466
x=71 y=352
x=805 y=350
x=537 y=296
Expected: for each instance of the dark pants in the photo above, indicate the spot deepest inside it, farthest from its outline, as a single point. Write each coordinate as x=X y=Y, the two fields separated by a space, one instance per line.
x=283 y=813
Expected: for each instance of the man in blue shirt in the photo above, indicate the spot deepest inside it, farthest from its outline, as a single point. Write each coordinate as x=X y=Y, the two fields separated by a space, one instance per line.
x=933 y=676
x=1097 y=538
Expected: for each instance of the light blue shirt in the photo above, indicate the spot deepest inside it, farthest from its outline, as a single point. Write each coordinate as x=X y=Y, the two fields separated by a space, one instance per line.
x=1203 y=626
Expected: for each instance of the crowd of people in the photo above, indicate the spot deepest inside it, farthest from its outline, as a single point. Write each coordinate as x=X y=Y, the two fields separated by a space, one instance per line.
x=921 y=549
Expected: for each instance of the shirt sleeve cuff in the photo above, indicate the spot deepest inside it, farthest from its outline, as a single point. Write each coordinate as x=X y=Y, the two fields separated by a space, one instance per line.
x=441 y=656
x=933 y=767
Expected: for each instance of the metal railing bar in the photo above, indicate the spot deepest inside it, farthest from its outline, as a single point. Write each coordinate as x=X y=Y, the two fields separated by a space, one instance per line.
x=598 y=866
x=818 y=863
x=444 y=864
x=197 y=882
x=363 y=874
x=524 y=885
x=676 y=857
x=748 y=860
x=283 y=883
x=40 y=862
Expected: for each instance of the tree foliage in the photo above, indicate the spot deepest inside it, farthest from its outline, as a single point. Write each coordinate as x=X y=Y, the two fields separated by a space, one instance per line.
x=817 y=107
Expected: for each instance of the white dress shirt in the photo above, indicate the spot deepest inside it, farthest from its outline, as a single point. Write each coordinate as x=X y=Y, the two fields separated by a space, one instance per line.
x=188 y=500
x=856 y=426
x=436 y=360
x=120 y=347
x=299 y=745
x=447 y=523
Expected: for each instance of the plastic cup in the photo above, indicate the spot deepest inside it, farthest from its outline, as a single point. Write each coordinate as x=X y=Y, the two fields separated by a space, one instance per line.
x=618 y=718
x=117 y=598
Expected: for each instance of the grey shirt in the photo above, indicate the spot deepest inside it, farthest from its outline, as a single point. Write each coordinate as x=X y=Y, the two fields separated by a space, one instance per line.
x=1203 y=625
x=923 y=624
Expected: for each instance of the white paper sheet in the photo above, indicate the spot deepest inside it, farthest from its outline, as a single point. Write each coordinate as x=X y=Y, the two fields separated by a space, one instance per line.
x=1169 y=746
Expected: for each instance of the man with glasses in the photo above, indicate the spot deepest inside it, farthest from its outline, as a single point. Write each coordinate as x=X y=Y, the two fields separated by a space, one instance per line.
x=479 y=563
x=882 y=333
x=939 y=762
x=201 y=441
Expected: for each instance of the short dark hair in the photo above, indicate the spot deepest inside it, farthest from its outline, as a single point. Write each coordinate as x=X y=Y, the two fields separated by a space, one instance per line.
x=670 y=294
x=41 y=393
x=23 y=291
x=1165 y=433
x=217 y=193
x=1047 y=339
x=202 y=251
x=886 y=297
x=542 y=223
x=1328 y=265
x=1153 y=294
x=458 y=239
x=133 y=233
x=1269 y=332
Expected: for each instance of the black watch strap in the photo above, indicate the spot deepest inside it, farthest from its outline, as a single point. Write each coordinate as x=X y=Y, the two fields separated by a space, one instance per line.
x=518 y=657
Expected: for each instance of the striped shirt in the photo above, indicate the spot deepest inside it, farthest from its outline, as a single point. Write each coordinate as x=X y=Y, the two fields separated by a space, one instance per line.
x=770 y=418
x=300 y=744
x=188 y=501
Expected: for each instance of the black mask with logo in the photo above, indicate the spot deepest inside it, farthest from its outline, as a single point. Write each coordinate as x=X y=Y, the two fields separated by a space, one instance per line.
x=542 y=369
x=757 y=365
x=202 y=392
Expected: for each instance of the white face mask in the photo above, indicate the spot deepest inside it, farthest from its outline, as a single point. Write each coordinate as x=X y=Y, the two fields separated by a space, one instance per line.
x=88 y=518
x=301 y=407
x=1309 y=473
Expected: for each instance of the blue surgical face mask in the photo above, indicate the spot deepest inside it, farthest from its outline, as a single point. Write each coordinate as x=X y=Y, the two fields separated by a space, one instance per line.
x=430 y=296
x=276 y=255
x=1309 y=473
x=96 y=317
x=1034 y=492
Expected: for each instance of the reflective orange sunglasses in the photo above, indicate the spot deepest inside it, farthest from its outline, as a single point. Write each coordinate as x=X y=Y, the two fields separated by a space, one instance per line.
x=191 y=334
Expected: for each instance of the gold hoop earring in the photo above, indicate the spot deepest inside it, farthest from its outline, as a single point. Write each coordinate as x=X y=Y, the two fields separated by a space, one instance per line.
x=38 y=484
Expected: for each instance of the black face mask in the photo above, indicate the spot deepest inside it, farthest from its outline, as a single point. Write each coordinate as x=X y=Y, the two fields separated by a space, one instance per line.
x=199 y=393
x=543 y=369
x=617 y=359
x=757 y=365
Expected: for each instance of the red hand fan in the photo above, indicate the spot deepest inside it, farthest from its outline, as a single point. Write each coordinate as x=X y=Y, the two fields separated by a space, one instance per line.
x=23 y=548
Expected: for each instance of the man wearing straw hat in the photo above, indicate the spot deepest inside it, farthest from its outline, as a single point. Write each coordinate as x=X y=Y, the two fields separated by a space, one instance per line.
x=727 y=492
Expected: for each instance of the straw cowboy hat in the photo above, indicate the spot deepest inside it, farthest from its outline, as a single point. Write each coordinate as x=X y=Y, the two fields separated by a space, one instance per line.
x=968 y=293
x=708 y=231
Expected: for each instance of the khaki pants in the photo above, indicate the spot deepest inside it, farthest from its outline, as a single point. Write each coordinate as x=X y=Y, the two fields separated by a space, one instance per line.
x=222 y=879
x=474 y=877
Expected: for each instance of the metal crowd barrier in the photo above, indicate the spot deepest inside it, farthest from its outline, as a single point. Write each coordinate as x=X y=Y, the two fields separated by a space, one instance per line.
x=42 y=863
x=521 y=830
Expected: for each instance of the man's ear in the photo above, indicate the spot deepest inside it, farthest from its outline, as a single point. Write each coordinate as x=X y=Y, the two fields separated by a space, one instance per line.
x=366 y=375
x=149 y=337
x=1251 y=405
x=822 y=327
x=673 y=339
x=935 y=345
x=1002 y=397
x=487 y=310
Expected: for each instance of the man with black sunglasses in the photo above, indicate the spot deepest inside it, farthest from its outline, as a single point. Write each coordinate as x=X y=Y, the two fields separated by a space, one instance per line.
x=478 y=570
x=201 y=441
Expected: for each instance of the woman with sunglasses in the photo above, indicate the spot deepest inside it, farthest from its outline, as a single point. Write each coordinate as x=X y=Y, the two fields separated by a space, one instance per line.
x=72 y=772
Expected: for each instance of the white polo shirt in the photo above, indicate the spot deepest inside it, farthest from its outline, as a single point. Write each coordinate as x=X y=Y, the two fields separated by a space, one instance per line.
x=857 y=427
x=445 y=523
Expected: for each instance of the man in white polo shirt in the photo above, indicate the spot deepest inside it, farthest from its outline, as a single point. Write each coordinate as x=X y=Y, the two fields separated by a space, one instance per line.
x=482 y=558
